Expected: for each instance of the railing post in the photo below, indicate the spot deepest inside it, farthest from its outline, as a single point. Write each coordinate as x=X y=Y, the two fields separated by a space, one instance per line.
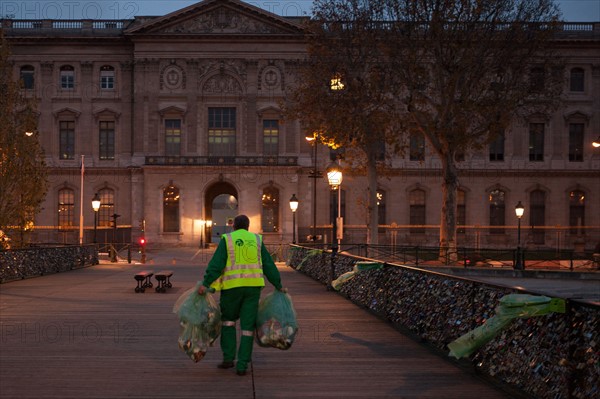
x=571 y=260
x=129 y=253
x=113 y=253
x=416 y=256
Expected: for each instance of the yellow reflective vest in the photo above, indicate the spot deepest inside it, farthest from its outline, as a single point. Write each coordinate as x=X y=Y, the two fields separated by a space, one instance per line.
x=244 y=265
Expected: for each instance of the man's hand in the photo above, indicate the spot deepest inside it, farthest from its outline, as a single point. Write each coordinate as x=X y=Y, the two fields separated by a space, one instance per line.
x=201 y=290
x=282 y=289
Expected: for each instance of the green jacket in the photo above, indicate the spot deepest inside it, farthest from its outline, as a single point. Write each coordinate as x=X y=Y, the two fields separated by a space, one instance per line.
x=219 y=261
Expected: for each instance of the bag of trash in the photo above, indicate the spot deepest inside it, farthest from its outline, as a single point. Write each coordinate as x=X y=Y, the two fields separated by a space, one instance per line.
x=276 y=321
x=199 y=321
x=511 y=307
x=358 y=267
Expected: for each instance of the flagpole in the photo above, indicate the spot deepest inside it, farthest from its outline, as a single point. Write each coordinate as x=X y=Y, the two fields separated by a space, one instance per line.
x=81 y=203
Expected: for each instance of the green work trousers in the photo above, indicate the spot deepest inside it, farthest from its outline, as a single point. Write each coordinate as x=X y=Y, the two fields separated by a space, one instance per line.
x=239 y=303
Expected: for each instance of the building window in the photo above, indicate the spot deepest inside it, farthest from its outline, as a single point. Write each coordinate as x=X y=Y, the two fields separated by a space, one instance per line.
x=67 y=77
x=497 y=148
x=333 y=204
x=27 y=73
x=173 y=137
x=417 y=211
x=536 y=142
x=537 y=215
x=497 y=211
x=66 y=207
x=381 y=216
x=537 y=77
x=107 y=207
x=107 y=77
x=171 y=209
x=270 y=210
x=576 y=142
x=67 y=139
x=270 y=137
x=107 y=140
x=576 y=211
x=417 y=147
x=221 y=131
x=577 y=79
x=461 y=211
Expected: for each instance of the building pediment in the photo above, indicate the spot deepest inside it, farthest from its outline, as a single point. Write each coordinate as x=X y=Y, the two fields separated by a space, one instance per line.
x=218 y=17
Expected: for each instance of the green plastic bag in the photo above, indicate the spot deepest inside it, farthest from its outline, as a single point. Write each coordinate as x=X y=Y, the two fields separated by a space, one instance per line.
x=511 y=307
x=358 y=267
x=276 y=321
x=199 y=321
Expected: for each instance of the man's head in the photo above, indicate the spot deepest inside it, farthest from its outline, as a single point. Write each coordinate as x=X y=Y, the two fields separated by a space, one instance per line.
x=241 y=222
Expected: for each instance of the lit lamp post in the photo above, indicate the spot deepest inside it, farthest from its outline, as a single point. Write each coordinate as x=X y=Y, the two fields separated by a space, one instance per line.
x=96 y=207
x=334 y=177
x=596 y=143
x=314 y=174
x=294 y=208
x=519 y=210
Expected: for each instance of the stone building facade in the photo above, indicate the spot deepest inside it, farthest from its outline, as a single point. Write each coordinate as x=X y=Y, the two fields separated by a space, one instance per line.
x=178 y=121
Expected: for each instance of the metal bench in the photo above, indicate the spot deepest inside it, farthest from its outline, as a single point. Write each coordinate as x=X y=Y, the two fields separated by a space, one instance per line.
x=144 y=281
x=163 y=278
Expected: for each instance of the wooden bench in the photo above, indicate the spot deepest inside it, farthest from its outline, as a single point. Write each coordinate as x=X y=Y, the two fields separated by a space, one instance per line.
x=163 y=280
x=144 y=280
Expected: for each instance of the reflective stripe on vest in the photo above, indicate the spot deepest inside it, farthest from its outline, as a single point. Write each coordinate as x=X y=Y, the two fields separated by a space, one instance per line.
x=244 y=263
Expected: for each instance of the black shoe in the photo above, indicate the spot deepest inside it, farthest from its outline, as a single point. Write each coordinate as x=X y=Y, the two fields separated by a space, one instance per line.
x=240 y=372
x=225 y=365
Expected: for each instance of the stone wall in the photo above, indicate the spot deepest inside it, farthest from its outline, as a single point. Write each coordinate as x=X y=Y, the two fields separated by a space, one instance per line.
x=23 y=263
x=553 y=356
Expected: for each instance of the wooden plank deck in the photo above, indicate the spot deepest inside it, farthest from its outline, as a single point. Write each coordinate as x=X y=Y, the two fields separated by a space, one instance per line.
x=87 y=334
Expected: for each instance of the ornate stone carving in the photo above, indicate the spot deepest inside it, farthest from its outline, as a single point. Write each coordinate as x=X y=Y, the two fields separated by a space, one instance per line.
x=172 y=77
x=237 y=67
x=270 y=78
x=222 y=20
x=222 y=84
x=47 y=66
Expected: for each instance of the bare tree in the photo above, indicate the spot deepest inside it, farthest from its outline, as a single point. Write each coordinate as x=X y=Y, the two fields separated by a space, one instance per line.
x=342 y=93
x=23 y=173
x=464 y=70
x=456 y=72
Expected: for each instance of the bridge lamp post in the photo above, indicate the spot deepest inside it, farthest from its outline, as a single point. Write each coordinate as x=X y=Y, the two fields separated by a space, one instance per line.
x=294 y=208
x=334 y=177
x=96 y=206
x=519 y=211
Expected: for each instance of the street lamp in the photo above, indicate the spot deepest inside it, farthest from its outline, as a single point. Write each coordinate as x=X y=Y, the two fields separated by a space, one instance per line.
x=294 y=208
x=596 y=143
x=314 y=174
x=519 y=210
x=96 y=207
x=334 y=177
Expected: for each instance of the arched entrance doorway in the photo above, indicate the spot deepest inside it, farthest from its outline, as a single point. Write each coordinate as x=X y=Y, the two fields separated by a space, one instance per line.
x=221 y=206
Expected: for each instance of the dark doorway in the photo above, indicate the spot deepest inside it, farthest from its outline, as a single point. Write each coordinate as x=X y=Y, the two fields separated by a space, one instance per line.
x=221 y=206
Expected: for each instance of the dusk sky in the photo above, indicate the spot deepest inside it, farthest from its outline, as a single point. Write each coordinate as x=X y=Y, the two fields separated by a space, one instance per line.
x=573 y=10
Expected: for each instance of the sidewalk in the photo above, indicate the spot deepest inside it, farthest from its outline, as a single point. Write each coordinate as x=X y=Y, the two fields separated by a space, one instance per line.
x=86 y=333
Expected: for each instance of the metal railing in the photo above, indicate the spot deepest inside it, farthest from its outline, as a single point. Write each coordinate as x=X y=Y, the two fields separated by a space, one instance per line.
x=548 y=357
x=477 y=257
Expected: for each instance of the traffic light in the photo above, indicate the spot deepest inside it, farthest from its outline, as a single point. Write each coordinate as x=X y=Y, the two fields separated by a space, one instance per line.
x=142 y=242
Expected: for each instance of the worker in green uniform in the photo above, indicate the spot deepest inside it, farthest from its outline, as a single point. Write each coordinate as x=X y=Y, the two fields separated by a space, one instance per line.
x=237 y=269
